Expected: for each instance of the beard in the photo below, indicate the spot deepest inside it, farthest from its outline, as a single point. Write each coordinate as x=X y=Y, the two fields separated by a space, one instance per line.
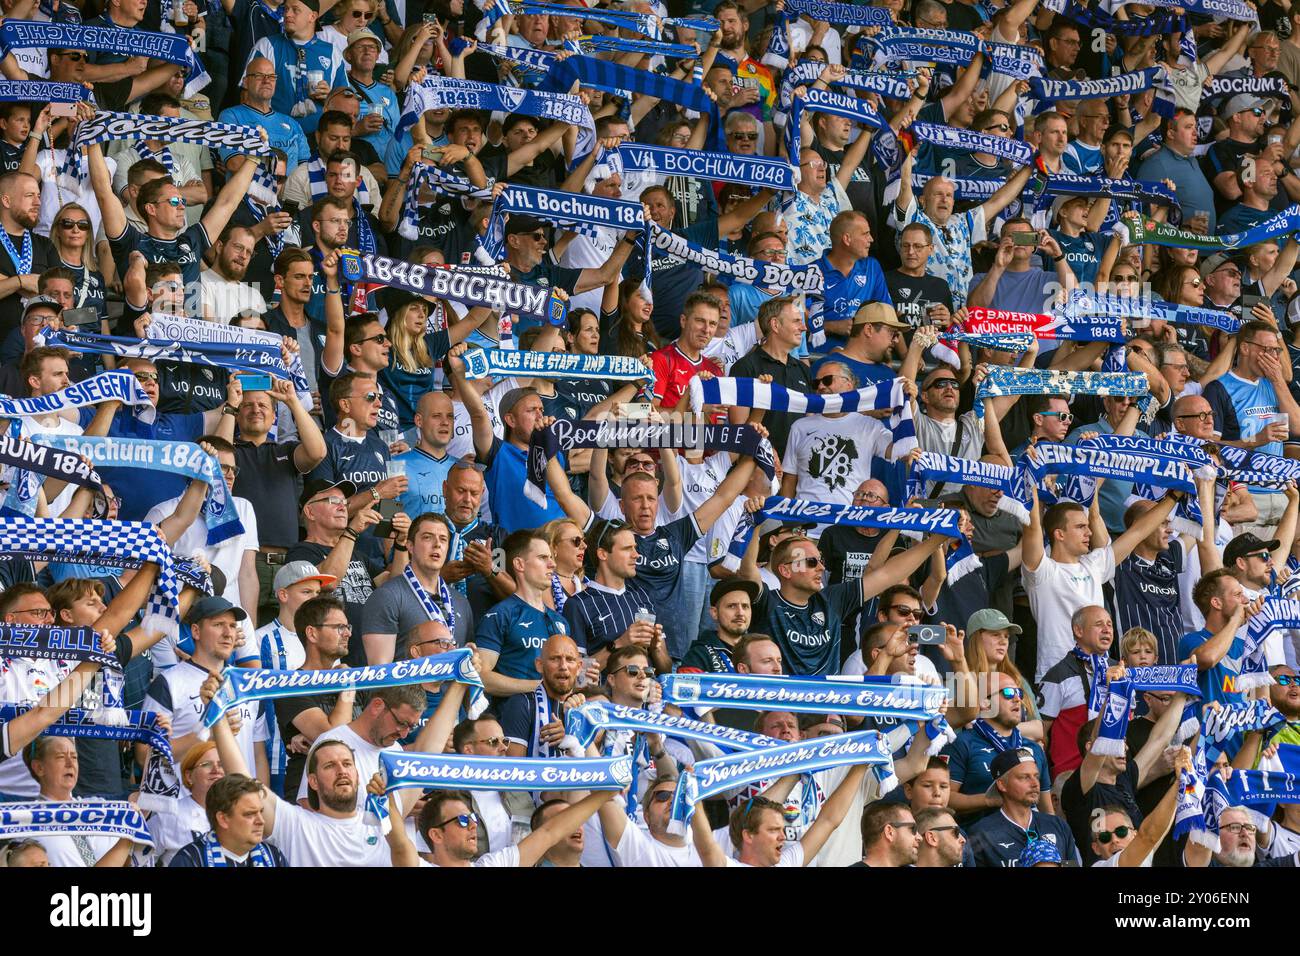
x=1237 y=858
x=339 y=802
x=26 y=219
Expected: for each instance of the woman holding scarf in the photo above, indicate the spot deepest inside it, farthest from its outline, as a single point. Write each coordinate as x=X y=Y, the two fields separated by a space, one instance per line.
x=568 y=548
x=188 y=818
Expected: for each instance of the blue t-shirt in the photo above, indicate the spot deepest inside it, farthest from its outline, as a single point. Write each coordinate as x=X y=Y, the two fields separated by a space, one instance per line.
x=424 y=477
x=999 y=842
x=1218 y=682
x=142 y=488
x=809 y=636
x=516 y=631
x=406 y=385
x=1082 y=252
x=969 y=758
x=1255 y=403
x=507 y=470
x=282 y=132
x=292 y=61
x=1081 y=159
x=844 y=294
x=364 y=463
x=659 y=573
x=187 y=249
x=381 y=98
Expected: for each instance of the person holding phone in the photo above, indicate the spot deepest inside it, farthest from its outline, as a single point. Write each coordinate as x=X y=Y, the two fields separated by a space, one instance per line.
x=1013 y=282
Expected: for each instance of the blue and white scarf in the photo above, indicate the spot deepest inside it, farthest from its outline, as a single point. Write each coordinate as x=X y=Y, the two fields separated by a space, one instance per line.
x=174 y=457
x=1214 y=9
x=751 y=393
x=617 y=79
x=440 y=92
x=969 y=141
x=24 y=461
x=41 y=642
x=1262 y=86
x=860 y=697
x=439 y=180
x=114 y=544
x=105 y=127
x=945 y=469
x=41 y=91
x=198 y=332
x=118 y=386
x=1255 y=467
x=34 y=34
x=246 y=357
x=1049 y=91
x=944 y=350
x=565 y=434
x=1148 y=191
x=848 y=14
x=908 y=521
x=956 y=47
x=214 y=855
x=1159 y=22
x=1098 y=663
x=1114 y=721
x=963 y=189
x=995 y=739
x=470 y=287
x=446 y=613
x=1189 y=814
x=776 y=174
x=240 y=684
x=589 y=43
x=884 y=142
x=458 y=771
x=1084 y=303
x=1277 y=613
x=586 y=721
x=774 y=276
x=1166 y=678
x=587 y=213
x=535 y=62
x=708 y=778
x=41 y=818
x=1031 y=381
x=891 y=84
x=554 y=365
x=1217 y=725
x=1096 y=461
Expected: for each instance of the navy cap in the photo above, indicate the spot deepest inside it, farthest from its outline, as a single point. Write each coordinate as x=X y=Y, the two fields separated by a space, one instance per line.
x=211 y=607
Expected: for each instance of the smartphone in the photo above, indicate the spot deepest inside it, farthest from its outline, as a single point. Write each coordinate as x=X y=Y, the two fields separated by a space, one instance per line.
x=291 y=208
x=925 y=634
x=431 y=153
x=63 y=109
x=431 y=18
x=87 y=316
x=1024 y=238
x=636 y=411
x=1248 y=303
x=253 y=381
x=384 y=529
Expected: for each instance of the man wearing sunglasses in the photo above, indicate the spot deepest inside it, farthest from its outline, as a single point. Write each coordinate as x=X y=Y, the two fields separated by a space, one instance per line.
x=1244 y=115
x=971 y=755
x=1117 y=842
x=940 y=429
x=355 y=452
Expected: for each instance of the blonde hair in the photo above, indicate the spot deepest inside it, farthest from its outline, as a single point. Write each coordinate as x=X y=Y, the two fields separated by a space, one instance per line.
x=409 y=348
x=1134 y=638
x=88 y=261
x=979 y=664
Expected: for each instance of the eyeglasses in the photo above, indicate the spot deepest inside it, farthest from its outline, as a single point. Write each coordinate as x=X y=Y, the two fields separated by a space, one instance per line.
x=910 y=246
x=1199 y=416
x=333 y=501
x=645 y=464
x=1065 y=417
x=75 y=56
x=744 y=137
x=635 y=670
x=1118 y=833
x=1194 y=282
x=869 y=496
x=462 y=820
x=267 y=75
x=404 y=726
x=381 y=338
x=1011 y=693
x=493 y=742
x=944 y=383
x=1238 y=827
x=902 y=610
x=1177 y=365
x=814 y=164
x=1270 y=349
x=146 y=376
x=346 y=221
x=446 y=642
x=230 y=471
x=81 y=224
x=43 y=613
x=538 y=236
x=341 y=628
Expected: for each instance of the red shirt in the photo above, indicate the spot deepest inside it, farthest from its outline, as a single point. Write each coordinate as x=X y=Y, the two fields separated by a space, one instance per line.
x=673 y=374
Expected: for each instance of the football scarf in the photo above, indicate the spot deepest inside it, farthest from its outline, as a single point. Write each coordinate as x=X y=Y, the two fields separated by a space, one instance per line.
x=1030 y=381
x=946 y=469
x=119 y=386
x=1082 y=328
x=1230 y=719
x=214 y=856
x=884 y=143
x=762 y=171
x=776 y=276
x=554 y=365
x=457 y=772
x=586 y=721
x=908 y=521
x=969 y=141
x=1114 y=721
x=25 y=460
x=41 y=818
x=446 y=613
x=1082 y=303
x=1149 y=232
x=860 y=697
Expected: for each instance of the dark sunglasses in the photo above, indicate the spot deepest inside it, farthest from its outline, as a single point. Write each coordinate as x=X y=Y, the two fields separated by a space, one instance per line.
x=82 y=224
x=381 y=338
x=662 y=796
x=904 y=611
x=1287 y=680
x=944 y=383
x=1119 y=832
x=576 y=541
x=463 y=820
x=745 y=137
x=827 y=380
x=635 y=670
x=1012 y=693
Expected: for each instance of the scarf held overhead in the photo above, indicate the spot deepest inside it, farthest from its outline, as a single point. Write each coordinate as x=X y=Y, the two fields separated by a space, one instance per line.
x=461 y=772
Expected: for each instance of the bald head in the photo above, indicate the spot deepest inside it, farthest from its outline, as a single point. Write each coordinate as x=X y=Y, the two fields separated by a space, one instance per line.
x=429 y=638
x=559 y=665
x=1193 y=416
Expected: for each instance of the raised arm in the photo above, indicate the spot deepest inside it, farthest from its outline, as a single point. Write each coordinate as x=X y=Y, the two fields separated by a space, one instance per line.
x=232 y=194
x=577 y=509
x=732 y=487
x=1155 y=826
x=536 y=845
x=832 y=812
x=102 y=183
x=1032 y=553
x=900 y=567
x=1161 y=736
x=1153 y=517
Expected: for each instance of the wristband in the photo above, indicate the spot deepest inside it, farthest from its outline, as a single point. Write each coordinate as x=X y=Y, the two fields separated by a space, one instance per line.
x=334 y=291
x=229 y=410
x=349 y=534
x=399 y=547
x=374 y=494
x=1060 y=258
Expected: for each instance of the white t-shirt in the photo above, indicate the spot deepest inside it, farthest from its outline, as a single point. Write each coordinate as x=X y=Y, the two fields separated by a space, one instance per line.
x=276 y=633
x=223 y=300
x=791 y=855
x=364 y=753
x=177 y=828
x=52 y=424
x=832 y=456
x=730 y=348
x=24 y=681
x=925 y=670
x=506 y=857
x=307 y=838
x=178 y=697
x=1114 y=860
x=55 y=195
x=494 y=817
x=228 y=556
x=1056 y=591
x=590 y=252
x=638 y=848
x=699 y=482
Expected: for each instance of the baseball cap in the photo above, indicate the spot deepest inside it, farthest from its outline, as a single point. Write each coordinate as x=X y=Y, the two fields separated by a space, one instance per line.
x=878 y=313
x=296 y=572
x=1003 y=763
x=518 y=224
x=1242 y=101
x=1040 y=851
x=313 y=487
x=212 y=606
x=45 y=300
x=1212 y=264
x=771 y=525
x=990 y=619
x=1059 y=203
x=726 y=586
x=356 y=36
x=312 y=5
x=512 y=398
x=1244 y=544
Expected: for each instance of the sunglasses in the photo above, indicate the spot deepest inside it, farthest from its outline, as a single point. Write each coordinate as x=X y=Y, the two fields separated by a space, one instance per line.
x=75 y=56
x=1000 y=127
x=370 y=397
x=902 y=610
x=146 y=376
x=636 y=670
x=381 y=338
x=1287 y=680
x=744 y=137
x=827 y=380
x=176 y=202
x=82 y=224
x=493 y=742
x=333 y=501
x=945 y=383
x=810 y=563
x=1012 y=693
x=577 y=541
x=1120 y=833
x=1065 y=417
x=662 y=796
x=462 y=820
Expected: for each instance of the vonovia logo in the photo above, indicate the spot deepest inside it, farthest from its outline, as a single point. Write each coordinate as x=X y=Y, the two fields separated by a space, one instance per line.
x=78 y=910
